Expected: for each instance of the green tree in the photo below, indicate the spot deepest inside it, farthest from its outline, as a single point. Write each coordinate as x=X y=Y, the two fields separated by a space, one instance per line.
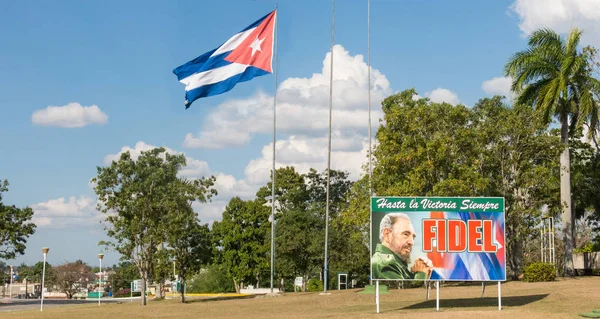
x=296 y=251
x=211 y=279
x=426 y=149
x=586 y=183
x=300 y=220
x=554 y=77
x=190 y=244
x=241 y=240
x=34 y=273
x=124 y=274
x=519 y=158
x=136 y=196
x=15 y=227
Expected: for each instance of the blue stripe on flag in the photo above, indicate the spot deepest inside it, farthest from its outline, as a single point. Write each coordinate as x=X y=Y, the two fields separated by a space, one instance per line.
x=193 y=66
x=223 y=86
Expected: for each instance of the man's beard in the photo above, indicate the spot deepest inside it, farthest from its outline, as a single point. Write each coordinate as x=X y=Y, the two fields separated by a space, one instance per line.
x=405 y=258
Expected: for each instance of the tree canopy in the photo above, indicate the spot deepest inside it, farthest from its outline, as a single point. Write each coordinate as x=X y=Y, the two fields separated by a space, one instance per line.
x=15 y=227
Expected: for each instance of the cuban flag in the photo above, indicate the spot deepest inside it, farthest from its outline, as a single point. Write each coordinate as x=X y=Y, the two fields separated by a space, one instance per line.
x=244 y=56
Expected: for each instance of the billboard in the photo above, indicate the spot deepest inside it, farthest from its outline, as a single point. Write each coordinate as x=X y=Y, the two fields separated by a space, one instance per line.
x=438 y=238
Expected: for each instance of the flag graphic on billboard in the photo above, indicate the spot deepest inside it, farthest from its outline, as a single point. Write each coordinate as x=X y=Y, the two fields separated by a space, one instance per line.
x=438 y=238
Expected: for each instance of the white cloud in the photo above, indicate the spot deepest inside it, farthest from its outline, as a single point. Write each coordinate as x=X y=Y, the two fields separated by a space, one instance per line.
x=498 y=85
x=302 y=105
x=303 y=152
x=561 y=16
x=440 y=95
x=227 y=186
x=194 y=167
x=303 y=111
x=62 y=213
x=71 y=115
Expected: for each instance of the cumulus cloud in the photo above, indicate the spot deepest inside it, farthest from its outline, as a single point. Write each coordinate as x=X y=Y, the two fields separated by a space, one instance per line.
x=302 y=105
x=561 y=16
x=304 y=152
x=62 y=213
x=194 y=167
x=498 y=85
x=72 y=115
x=226 y=185
x=440 y=95
x=303 y=112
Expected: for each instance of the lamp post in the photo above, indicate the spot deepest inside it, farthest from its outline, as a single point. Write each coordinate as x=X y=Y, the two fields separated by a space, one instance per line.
x=11 y=280
x=45 y=252
x=100 y=282
x=174 y=288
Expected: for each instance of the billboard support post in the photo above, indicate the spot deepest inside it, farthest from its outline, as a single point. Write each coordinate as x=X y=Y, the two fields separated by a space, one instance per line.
x=427 y=286
x=482 y=288
x=499 y=297
x=377 y=294
x=437 y=295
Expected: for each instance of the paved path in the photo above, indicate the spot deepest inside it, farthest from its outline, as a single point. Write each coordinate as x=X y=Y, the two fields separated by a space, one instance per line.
x=28 y=304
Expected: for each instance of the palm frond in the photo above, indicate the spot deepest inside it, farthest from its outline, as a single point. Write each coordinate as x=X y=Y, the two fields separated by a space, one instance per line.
x=573 y=42
x=531 y=92
x=546 y=38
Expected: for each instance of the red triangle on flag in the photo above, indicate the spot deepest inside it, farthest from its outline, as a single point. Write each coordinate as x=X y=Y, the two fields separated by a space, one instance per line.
x=257 y=49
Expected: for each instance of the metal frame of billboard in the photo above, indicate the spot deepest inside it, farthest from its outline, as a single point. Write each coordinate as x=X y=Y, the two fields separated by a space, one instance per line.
x=437 y=281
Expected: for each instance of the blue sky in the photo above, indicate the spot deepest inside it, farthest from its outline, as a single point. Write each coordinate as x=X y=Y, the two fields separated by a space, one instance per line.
x=107 y=69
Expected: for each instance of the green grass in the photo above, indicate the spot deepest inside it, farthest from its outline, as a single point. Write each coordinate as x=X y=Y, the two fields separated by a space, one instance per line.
x=563 y=298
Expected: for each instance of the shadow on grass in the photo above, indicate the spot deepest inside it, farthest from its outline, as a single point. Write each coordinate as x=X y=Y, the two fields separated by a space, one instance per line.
x=510 y=301
x=219 y=298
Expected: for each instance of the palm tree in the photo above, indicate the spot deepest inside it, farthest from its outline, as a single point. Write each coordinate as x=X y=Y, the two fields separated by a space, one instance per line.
x=556 y=79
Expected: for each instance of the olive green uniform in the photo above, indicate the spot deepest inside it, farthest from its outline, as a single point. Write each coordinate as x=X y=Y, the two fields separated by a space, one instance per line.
x=387 y=265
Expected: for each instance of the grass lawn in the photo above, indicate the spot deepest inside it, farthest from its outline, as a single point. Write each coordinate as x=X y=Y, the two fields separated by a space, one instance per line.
x=564 y=298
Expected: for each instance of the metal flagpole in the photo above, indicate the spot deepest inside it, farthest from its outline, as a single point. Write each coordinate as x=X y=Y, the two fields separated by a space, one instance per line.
x=329 y=149
x=369 y=83
x=369 y=76
x=274 y=140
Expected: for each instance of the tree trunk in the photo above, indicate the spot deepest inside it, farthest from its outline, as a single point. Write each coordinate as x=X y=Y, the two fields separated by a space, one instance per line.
x=565 y=196
x=181 y=290
x=237 y=287
x=515 y=255
x=144 y=285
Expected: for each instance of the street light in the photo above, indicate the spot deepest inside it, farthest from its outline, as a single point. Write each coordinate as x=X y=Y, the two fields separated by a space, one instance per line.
x=11 y=279
x=100 y=282
x=45 y=252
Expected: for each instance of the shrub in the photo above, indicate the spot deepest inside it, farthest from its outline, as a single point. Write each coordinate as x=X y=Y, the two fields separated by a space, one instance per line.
x=125 y=293
x=314 y=285
x=540 y=272
x=212 y=279
x=590 y=247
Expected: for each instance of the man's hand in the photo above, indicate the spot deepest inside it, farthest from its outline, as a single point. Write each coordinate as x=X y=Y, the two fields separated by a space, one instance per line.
x=422 y=264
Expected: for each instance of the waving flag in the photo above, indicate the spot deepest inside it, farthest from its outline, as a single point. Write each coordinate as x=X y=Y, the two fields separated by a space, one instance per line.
x=244 y=56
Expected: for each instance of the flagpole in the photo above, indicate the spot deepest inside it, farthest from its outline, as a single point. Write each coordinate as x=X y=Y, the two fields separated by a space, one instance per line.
x=369 y=84
x=369 y=76
x=274 y=140
x=329 y=149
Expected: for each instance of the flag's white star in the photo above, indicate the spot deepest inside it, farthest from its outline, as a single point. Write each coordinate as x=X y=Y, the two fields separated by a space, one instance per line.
x=256 y=45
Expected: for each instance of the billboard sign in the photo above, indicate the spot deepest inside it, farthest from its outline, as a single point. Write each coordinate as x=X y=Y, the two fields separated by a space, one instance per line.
x=438 y=238
x=137 y=285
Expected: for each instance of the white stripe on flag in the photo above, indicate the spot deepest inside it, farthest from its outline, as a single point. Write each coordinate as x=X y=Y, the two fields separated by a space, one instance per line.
x=212 y=76
x=233 y=42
